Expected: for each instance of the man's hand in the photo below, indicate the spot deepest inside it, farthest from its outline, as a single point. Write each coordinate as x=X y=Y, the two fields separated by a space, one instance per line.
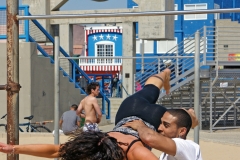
x=5 y=148
x=134 y=124
x=98 y=120
x=193 y=117
x=82 y=115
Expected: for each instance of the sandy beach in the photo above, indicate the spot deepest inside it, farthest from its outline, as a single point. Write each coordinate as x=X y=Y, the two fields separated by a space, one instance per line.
x=219 y=145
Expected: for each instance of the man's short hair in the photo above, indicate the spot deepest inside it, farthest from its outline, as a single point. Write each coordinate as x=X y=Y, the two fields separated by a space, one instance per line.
x=74 y=106
x=183 y=118
x=92 y=85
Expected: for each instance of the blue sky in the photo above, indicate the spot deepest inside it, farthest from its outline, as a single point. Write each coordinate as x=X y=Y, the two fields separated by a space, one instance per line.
x=87 y=4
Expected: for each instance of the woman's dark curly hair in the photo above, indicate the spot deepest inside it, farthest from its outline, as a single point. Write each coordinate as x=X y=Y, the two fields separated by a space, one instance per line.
x=92 y=146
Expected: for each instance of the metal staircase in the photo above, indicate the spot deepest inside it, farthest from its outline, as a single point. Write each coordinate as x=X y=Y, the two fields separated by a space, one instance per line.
x=219 y=104
x=182 y=61
x=69 y=67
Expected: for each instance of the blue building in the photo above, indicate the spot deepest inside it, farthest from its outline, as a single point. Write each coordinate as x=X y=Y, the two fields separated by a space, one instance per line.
x=104 y=41
x=184 y=27
x=107 y=40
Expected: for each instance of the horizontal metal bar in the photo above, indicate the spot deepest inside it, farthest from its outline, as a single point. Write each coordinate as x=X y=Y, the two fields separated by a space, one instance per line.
x=227 y=27
x=223 y=63
x=128 y=14
x=233 y=127
x=159 y=57
x=3 y=87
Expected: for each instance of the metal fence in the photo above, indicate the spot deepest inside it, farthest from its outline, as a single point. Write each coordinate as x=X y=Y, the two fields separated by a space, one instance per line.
x=224 y=100
x=23 y=24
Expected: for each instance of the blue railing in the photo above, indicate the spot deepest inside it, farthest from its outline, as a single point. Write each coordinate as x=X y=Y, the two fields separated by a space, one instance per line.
x=75 y=66
x=24 y=34
x=23 y=24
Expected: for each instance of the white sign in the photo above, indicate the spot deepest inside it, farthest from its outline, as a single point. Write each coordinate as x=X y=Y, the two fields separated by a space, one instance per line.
x=224 y=85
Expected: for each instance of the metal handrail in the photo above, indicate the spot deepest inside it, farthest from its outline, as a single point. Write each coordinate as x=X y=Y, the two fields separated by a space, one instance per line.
x=120 y=82
x=75 y=65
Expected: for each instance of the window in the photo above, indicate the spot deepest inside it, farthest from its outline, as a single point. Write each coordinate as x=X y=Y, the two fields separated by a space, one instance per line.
x=148 y=46
x=167 y=46
x=195 y=7
x=104 y=50
x=176 y=8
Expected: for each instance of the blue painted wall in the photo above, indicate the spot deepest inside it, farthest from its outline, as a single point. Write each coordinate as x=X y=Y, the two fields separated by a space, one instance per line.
x=229 y=4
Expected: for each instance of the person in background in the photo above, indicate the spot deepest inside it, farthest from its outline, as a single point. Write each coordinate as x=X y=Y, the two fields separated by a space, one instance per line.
x=92 y=111
x=70 y=121
x=138 y=86
x=114 y=83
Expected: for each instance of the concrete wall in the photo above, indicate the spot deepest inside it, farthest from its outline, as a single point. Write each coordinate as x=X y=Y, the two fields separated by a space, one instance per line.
x=156 y=27
x=3 y=80
x=129 y=50
x=228 y=38
x=39 y=7
x=37 y=81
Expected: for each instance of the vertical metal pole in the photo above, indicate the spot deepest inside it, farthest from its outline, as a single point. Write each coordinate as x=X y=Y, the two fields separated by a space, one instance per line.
x=233 y=14
x=200 y=106
x=142 y=54
x=181 y=95
x=234 y=108
x=196 y=83
x=74 y=73
x=134 y=83
x=205 y=114
x=215 y=111
x=12 y=75
x=216 y=52
x=56 y=90
x=211 y=85
x=224 y=109
x=204 y=45
x=159 y=65
x=177 y=63
x=190 y=104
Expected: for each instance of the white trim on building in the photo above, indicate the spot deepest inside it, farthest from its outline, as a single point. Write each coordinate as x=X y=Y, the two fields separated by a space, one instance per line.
x=197 y=6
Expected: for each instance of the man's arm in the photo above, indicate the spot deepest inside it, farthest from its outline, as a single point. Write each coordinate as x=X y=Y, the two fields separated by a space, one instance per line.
x=39 y=150
x=97 y=109
x=152 y=138
x=78 y=121
x=80 y=109
x=193 y=117
x=60 y=122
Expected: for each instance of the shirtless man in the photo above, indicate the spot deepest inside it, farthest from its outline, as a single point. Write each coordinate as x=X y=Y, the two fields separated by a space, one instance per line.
x=93 y=113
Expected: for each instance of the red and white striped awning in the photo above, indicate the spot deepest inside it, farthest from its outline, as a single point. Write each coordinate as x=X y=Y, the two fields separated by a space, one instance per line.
x=103 y=30
x=101 y=68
